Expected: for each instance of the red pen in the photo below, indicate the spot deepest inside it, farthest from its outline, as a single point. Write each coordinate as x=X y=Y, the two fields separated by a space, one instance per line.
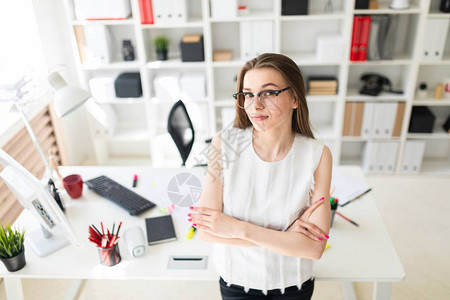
x=345 y=218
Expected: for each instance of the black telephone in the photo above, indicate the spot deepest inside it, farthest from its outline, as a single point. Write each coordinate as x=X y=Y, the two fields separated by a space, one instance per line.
x=374 y=83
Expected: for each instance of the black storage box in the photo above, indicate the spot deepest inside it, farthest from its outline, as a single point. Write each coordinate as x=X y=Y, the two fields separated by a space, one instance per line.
x=192 y=48
x=128 y=85
x=422 y=120
x=446 y=125
x=362 y=4
x=294 y=7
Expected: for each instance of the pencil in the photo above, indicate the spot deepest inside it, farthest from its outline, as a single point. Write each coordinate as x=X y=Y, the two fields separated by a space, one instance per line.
x=331 y=192
x=344 y=217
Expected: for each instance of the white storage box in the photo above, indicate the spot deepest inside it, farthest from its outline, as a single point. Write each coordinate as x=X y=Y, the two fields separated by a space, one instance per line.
x=193 y=86
x=102 y=9
x=330 y=47
x=102 y=89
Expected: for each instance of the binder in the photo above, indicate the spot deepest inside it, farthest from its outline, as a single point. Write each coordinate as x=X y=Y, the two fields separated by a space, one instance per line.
x=261 y=45
x=367 y=119
x=178 y=10
x=389 y=111
x=373 y=52
x=382 y=157
x=246 y=40
x=81 y=43
x=412 y=157
x=149 y=12
x=396 y=131
x=143 y=11
x=377 y=120
x=364 y=38
x=392 y=157
x=370 y=157
x=359 y=110
x=98 y=44
x=435 y=38
x=347 y=119
x=356 y=38
x=390 y=39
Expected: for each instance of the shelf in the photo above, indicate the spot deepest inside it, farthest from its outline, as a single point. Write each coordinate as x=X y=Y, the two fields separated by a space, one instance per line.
x=444 y=61
x=310 y=59
x=315 y=15
x=434 y=166
x=438 y=133
x=437 y=14
x=229 y=63
x=129 y=135
x=115 y=65
x=252 y=16
x=129 y=21
x=322 y=98
x=432 y=102
x=224 y=103
x=384 y=9
x=402 y=59
x=174 y=63
x=353 y=95
x=324 y=131
x=140 y=100
x=192 y=23
x=367 y=139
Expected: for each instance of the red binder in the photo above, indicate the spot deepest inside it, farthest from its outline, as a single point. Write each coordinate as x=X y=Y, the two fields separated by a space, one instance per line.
x=149 y=12
x=365 y=30
x=142 y=9
x=356 y=38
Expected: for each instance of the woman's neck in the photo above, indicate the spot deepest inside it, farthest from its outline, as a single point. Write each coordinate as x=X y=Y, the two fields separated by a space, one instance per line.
x=272 y=145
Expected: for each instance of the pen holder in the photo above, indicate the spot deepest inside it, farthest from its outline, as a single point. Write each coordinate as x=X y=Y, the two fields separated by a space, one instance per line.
x=109 y=256
x=334 y=205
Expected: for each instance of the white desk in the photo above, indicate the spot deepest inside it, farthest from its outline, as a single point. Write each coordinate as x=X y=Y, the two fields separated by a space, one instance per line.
x=357 y=254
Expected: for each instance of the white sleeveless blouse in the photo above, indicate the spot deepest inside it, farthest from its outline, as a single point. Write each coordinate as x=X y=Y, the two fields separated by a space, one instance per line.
x=268 y=194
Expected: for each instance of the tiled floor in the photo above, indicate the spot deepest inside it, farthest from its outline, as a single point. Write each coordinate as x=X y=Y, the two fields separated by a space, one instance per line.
x=416 y=211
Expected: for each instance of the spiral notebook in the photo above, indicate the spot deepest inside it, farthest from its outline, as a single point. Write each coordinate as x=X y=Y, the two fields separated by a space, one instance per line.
x=160 y=230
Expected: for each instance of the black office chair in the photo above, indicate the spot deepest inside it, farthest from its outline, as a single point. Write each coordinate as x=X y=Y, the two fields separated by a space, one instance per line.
x=180 y=127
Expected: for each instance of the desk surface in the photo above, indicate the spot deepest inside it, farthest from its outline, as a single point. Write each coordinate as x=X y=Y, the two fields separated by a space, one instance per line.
x=362 y=253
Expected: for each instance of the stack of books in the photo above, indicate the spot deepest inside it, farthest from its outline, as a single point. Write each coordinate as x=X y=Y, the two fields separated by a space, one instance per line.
x=322 y=85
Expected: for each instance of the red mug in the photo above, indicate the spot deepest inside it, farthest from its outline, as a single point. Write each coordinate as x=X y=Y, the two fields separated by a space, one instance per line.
x=73 y=185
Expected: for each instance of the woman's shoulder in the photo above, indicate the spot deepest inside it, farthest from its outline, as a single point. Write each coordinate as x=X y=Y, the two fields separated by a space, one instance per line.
x=309 y=140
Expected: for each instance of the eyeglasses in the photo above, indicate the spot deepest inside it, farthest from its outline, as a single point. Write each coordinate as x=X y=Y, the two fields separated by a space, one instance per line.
x=267 y=97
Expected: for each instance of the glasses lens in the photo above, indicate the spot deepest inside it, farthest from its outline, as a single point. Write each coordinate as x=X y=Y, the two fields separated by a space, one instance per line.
x=268 y=98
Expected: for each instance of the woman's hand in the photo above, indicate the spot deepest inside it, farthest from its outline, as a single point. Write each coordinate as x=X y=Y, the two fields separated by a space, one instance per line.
x=302 y=224
x=215 y=222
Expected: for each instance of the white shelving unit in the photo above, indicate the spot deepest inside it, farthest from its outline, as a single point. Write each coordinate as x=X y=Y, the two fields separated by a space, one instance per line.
x=142 y=119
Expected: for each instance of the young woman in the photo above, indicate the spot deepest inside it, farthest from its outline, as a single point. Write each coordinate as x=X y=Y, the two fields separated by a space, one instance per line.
x=267 y=179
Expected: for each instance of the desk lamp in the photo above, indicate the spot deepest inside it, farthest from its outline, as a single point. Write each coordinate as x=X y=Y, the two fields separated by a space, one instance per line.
x=66 y=100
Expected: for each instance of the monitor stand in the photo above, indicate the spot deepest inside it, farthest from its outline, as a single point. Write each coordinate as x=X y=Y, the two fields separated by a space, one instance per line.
x=43 y=242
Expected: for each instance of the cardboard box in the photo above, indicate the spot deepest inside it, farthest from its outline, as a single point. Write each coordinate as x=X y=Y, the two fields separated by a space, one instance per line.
x=222 y=55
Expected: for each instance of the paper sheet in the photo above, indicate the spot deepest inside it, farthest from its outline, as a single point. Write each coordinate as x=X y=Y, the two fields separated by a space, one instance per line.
x=347 y=189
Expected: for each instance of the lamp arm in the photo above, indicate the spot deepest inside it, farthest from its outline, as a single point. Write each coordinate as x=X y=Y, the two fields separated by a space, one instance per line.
x=48 y=169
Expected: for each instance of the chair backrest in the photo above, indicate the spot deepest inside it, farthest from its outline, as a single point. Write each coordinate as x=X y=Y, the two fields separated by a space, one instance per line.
x=180 y=127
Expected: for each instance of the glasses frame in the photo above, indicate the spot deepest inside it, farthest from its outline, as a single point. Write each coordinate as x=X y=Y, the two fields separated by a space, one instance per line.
x=276 y=92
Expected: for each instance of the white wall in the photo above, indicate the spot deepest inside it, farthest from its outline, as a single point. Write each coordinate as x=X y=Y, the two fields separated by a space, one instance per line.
x=55 y=42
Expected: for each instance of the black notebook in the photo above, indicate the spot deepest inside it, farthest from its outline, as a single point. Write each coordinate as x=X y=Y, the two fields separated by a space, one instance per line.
x=160 y=230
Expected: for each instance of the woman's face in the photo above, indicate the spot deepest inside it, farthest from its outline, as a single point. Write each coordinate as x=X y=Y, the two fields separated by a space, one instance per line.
x=271 y=112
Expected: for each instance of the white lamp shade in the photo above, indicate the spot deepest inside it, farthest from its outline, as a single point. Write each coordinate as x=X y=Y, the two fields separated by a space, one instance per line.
x=67 y=98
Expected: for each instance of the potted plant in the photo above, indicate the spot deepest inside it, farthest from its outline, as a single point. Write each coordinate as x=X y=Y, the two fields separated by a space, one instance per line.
x=161 y=43
x=12 y=251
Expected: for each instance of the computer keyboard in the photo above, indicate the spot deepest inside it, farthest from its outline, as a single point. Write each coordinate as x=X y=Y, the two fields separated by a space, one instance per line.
x=117 y=193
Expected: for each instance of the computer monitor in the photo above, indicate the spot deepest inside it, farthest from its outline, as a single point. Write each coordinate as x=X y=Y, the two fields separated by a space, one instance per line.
x=55 y=230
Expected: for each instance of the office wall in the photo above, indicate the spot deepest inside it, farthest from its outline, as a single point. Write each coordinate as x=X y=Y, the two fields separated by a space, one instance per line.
x=55 y=41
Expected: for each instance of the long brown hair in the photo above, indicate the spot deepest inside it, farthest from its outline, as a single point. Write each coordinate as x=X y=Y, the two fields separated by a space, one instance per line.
x=292 y=75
